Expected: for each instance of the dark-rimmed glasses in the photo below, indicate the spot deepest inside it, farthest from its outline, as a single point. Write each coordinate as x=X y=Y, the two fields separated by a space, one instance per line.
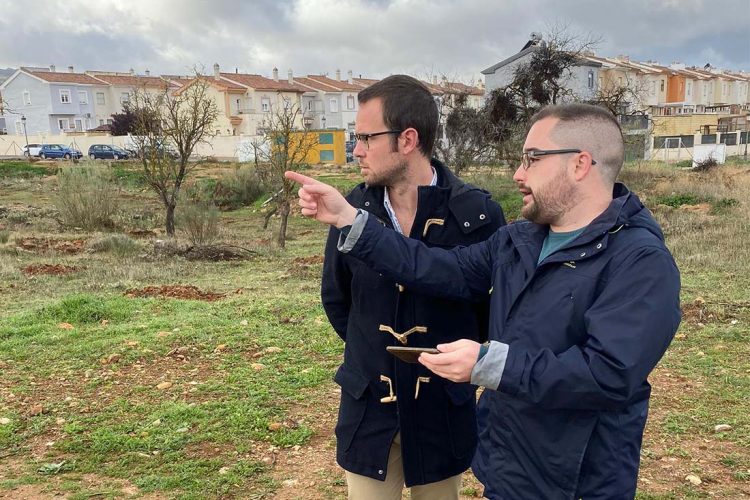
x=536 y=154
x=365 y=138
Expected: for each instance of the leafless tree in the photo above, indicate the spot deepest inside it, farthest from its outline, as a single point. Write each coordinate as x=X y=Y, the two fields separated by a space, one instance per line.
x=287 y=147
x=169 y=126
x=466 y=132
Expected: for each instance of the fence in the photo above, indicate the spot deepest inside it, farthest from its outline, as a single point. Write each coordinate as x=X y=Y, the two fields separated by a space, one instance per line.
x=685 y=147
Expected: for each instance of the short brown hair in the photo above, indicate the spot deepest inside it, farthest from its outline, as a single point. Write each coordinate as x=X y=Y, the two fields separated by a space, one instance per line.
x=407 y=103
x=590 y=128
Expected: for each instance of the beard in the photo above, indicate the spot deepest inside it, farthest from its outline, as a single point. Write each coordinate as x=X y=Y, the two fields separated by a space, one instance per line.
x=550 y=201
x=390 y=175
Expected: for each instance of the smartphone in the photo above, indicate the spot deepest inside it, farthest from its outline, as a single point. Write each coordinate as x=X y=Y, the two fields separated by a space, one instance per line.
x=410 y=354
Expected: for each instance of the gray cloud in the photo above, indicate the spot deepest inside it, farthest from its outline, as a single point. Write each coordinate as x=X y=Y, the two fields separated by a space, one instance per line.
x=370 y=37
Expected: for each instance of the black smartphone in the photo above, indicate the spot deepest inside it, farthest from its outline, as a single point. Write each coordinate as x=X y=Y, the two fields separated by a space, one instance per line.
x=410 y=354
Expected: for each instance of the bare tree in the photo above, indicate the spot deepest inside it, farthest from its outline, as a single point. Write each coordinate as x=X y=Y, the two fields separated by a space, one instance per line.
x=466 y=130
x=544 y=79
x=287 y=147
x=166 y=120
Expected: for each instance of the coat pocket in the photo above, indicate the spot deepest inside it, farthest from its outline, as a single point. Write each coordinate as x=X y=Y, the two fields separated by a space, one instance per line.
x=353 y=405
x=462 y=422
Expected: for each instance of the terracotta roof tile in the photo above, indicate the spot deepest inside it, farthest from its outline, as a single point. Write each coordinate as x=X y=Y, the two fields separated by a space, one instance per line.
x=134 y=81
x=313 y=85
x=49 y=76
x=364 y=82
x=337 y=84
x=258 y=82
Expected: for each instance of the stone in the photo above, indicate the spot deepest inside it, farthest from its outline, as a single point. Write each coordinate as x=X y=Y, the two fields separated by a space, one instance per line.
x=693 y=479
x=164 y=385
x=722 y=428
x=4 y=421
x=275 y=426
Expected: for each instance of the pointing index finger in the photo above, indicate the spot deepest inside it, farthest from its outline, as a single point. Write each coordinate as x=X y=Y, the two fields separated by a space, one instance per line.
x=299 y=178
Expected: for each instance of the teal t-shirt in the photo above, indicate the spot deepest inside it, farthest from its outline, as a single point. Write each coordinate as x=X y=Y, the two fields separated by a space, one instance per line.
x=555 y=241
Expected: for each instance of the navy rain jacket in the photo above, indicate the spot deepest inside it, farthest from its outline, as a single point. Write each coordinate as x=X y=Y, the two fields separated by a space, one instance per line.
x=584 y=329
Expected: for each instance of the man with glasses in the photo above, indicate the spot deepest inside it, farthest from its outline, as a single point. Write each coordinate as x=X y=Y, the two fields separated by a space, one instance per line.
x=398 y=423
x=584 y=302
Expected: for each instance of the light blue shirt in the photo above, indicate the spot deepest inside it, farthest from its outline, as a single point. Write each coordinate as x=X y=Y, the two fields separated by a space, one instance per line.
x=389 y=207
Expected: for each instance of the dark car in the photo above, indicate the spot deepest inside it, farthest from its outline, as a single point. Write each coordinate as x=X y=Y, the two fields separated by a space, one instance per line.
x=107 y=152
x=349 y=147
x=148 y=151
x=59 y=151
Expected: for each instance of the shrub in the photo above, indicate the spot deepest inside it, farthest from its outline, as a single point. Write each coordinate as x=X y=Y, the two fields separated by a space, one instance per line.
x=118 y=244
x=86 y=197
x=238 y=188
x=199 y=220
x=4 y=236
x=677 y=200
x=706 y=164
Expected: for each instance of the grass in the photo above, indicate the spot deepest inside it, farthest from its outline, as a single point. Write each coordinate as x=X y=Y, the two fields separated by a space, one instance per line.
x=22 y=170
x=251 y=374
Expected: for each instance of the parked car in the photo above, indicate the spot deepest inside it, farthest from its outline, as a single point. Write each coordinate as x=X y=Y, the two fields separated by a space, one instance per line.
x=154 y=151
x=106 y=151
x=59 y=151
x=31 y=150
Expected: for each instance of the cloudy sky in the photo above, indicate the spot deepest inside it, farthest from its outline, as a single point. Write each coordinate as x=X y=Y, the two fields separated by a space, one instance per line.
x=373 y=38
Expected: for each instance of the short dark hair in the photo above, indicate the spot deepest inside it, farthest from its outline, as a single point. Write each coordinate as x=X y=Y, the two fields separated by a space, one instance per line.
x=407 y=103
x=591 y=128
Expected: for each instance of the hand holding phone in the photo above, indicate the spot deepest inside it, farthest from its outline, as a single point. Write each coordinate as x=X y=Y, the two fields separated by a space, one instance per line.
x=410 y=354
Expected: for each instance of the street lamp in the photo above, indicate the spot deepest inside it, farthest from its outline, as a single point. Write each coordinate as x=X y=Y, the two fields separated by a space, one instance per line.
x=23 y=121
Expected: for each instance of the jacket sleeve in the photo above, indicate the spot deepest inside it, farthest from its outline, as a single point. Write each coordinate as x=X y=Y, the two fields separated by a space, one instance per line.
x=335 y=291
x=462 y=273
x=628 y=328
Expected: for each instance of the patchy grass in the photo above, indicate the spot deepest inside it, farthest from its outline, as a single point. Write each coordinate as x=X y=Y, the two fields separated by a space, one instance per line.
x=23 y=170
x=233 y=398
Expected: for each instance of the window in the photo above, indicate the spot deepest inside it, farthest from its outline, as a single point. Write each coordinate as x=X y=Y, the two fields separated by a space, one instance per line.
x=350 y=102
x=265 y=104
x=689 y=88
x=590 y=79
x=619 y=81
x=326 y=155
x=62 y=124
x=109 y=121
x=325 y=138
x=19 y=127
x=653 y=88
x=287 y=103
x=100 y=98
x=101 y=122
x=65 y=96
x=309 y=105
x=334 y=105
x=729 y=139
x=27 y=98
x=124 y=97
x=662 y=86
x=83 y=97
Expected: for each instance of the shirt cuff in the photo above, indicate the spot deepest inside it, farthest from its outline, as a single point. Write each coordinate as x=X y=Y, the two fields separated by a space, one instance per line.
x=489 y=368
x=347 y=239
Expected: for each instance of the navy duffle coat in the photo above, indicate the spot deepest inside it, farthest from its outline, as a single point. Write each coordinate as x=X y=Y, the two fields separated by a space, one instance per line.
x=436 y=417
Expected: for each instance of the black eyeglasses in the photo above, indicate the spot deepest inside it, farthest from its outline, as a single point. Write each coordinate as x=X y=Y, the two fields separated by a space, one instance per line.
x=365 y=138
x=536 y=154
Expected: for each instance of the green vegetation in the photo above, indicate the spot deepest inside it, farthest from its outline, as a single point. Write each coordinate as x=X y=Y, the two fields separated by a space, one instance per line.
x=108 y=391
x=23 y=170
